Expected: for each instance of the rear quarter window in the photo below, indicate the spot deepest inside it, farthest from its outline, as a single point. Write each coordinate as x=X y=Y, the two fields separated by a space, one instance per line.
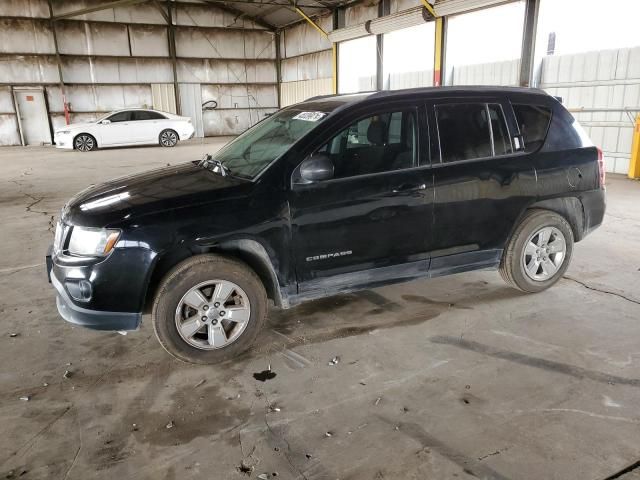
x=533 y=122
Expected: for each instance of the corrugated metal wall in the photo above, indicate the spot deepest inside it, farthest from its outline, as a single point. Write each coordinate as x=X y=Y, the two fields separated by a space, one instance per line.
x=306 y=69
x=608 y=81
x=497 y=73
x=111 y=58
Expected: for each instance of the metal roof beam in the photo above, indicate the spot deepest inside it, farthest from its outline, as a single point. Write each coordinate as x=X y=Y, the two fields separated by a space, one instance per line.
x=104 y=6
x=240 y=14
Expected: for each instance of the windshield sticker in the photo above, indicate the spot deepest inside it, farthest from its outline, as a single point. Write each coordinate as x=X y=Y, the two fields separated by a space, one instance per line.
x=310 y=116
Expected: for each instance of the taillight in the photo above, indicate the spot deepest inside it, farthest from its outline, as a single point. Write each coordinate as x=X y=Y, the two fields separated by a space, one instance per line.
x=601 y=171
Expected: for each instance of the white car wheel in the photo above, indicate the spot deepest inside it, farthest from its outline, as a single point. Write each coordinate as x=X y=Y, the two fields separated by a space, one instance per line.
x=168 y=138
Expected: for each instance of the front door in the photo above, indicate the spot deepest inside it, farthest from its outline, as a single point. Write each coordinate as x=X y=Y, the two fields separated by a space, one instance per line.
x=374 y=215
x=32 y=113
x=120 y=130
x=481 y=183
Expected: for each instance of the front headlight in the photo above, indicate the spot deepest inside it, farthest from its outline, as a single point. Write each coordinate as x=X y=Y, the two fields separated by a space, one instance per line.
x=63 y=132
x=92 y=242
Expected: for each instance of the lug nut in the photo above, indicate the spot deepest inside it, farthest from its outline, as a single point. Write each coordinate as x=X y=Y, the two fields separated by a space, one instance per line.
x=216 y=305
x=204 y=318
x=205 y=308
x=222 y=312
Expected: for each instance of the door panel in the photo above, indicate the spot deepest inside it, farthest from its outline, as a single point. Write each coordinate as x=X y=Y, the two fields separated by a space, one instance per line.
x=361 y=223
x=377 y=210
x=477 y=201
x=120 y=131
x=34 y=121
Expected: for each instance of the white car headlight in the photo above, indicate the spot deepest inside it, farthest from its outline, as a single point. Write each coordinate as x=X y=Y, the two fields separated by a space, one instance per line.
x=92 y=242
x=63 y=132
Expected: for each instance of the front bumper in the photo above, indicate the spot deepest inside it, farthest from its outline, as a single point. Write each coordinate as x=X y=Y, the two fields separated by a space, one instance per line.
x=63 y=141
x=93 y=319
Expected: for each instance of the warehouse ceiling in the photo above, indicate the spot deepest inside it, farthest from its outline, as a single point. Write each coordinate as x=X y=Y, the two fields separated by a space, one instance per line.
x=276 y=14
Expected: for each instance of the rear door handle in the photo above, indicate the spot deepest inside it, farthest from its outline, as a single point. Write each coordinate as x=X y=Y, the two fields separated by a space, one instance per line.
x=409 y=187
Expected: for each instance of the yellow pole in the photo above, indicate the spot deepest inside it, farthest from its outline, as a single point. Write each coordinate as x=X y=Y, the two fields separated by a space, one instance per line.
x=437 y=58
x=429 y=8
x=634 y=165
x=334 y=67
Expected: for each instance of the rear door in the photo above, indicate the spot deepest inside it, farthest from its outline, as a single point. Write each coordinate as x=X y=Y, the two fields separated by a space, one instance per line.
x=376 y=212
x=148 y=125
x=482 y=183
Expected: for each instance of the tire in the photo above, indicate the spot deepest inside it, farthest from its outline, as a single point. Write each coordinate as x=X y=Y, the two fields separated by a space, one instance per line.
x=84 y=142
x=168 y=138
x=173 y=316
x=527 y=248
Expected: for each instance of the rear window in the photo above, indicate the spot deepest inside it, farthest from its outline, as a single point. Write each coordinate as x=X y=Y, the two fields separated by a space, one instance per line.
x=147 y=115
x=533 y=121
x=471 y=130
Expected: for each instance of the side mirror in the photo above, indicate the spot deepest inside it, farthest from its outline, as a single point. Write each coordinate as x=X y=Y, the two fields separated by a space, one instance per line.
x=316 y=168
x=106 y=121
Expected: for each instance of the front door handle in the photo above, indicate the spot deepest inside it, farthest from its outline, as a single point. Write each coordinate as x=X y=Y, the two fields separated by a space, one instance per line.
x=409 y=187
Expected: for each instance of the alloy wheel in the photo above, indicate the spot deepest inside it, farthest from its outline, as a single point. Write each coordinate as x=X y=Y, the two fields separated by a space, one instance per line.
x=84 y=143
x=212 y=314
x=544 y=253
x=168 y=138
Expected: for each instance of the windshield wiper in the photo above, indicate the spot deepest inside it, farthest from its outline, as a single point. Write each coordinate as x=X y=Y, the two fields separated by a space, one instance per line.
x=214 y=165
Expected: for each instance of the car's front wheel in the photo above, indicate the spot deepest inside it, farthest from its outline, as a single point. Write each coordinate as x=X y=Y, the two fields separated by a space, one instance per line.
x=168 y=138
x=84 y=142
x=538 y=253
x=209 y=309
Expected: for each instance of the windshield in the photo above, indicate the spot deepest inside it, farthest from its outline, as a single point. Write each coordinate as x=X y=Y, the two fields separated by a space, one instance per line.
x=254 y=150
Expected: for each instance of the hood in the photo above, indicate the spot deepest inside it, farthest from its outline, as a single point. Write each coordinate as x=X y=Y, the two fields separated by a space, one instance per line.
x=74 y=126
x=164 y=189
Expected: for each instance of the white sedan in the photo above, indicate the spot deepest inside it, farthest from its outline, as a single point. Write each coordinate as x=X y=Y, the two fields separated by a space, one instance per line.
x=124 y=128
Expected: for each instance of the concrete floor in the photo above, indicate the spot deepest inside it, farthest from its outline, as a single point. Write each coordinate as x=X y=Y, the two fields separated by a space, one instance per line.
x=458 y=377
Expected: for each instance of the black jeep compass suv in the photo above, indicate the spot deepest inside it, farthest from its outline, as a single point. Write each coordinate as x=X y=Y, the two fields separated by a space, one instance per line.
x=331 y=195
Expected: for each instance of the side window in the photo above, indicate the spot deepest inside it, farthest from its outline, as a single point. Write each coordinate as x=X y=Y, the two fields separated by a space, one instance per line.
x=533 y=121
x=464 y=131
x=120 y=117
x=147 y=115
x=501 y=140
x=380 y=143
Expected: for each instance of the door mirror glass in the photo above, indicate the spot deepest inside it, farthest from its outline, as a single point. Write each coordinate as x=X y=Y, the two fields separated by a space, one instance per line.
x=316 y=168
x=106 y=121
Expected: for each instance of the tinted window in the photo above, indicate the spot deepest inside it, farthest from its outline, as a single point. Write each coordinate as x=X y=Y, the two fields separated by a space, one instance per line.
x=533 y=121
x=464 y=131
x=379 y=143
x=120 y=117
x=147 y=115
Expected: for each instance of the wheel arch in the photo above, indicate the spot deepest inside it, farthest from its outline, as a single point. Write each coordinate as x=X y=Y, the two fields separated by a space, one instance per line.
x=248 y=251
x=73 y=142
x=570 y=208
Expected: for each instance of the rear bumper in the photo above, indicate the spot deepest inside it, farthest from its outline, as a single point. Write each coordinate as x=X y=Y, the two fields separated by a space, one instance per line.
x=85 y=317
x=594 y=205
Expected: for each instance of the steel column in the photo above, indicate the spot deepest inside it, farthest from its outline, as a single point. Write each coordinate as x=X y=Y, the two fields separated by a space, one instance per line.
x=531 y=11
x=172 y=52
x=439 y=52
x=65 y=105
x=384 y=8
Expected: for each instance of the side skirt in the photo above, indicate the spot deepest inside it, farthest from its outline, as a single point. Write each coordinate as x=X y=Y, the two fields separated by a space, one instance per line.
x=405 y=272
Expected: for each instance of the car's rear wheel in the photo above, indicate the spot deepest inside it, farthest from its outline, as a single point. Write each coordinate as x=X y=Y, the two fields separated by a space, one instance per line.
x=538 y=252
x=168 y=138
x=209 y=309
x=84 y=142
